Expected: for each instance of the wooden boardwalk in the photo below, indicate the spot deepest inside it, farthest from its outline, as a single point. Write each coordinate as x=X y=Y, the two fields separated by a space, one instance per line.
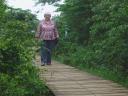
x=65 y=80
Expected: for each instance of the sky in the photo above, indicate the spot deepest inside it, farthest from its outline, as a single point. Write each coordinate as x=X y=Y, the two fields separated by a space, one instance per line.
x=30 y=4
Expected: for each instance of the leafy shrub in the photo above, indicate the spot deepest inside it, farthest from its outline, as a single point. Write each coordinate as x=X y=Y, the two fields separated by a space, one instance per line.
x=18 y=76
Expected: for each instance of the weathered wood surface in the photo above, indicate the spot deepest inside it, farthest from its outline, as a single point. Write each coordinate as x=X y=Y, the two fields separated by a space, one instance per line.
x=65 y=80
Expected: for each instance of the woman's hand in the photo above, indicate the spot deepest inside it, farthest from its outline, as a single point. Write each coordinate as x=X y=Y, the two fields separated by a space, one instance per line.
x=37 y=37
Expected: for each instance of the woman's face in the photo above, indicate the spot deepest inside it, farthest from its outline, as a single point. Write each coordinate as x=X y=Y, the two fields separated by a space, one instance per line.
x=47 y=16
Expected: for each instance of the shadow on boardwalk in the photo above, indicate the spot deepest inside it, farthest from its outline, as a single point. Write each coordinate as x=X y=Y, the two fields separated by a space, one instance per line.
x=65 y=80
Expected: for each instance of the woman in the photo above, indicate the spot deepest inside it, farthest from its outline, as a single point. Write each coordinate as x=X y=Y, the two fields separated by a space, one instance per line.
x=47 y=32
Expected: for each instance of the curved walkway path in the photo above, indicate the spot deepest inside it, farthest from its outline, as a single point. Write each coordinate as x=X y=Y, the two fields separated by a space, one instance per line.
x=65 y=80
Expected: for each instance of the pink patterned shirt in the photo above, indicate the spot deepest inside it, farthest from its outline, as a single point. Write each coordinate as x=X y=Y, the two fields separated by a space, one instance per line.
x=47 y=30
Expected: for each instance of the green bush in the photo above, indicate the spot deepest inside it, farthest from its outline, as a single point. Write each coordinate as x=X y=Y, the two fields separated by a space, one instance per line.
x=98 y=29
x=18 y=75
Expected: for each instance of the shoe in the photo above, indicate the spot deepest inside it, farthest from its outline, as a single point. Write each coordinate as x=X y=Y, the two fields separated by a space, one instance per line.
x=48 y=63
x=42 y=64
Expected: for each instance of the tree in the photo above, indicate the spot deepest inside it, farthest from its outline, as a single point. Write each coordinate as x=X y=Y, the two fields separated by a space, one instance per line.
x=18 y=76
x=104 y=22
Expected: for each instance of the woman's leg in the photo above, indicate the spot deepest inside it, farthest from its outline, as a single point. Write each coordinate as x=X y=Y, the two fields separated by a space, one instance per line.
x=43 y=52
x=49 y=52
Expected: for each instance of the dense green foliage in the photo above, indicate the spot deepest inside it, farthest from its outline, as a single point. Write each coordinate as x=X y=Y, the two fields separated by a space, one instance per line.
x=18 y=76
x=97 y=36
x=93 y=36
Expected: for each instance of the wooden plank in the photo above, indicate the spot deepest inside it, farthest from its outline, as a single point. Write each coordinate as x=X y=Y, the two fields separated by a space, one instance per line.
x=65 y=80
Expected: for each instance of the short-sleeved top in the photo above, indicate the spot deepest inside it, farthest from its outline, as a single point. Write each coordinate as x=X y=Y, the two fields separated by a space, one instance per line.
x=48 y=30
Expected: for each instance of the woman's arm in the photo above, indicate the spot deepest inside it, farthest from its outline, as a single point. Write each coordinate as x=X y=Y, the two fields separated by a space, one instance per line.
x=56 y=31
x=37 y=35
